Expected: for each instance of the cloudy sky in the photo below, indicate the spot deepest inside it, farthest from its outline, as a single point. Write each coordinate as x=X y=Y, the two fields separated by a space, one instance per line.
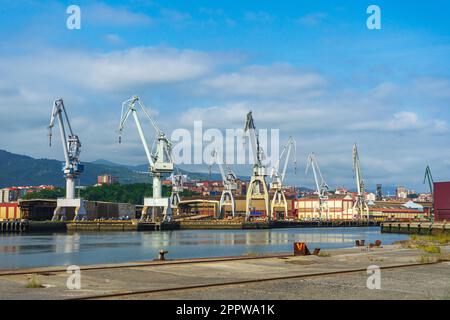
x=309 y=68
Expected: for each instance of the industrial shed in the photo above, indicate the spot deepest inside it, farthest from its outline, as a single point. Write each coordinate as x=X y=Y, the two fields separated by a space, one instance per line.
x=442 y=201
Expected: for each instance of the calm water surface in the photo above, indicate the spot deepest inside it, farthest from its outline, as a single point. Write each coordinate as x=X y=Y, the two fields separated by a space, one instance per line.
x=38 y=250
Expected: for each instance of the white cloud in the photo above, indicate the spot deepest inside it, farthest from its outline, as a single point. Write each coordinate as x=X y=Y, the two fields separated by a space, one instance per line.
x=259 y=16
x=114 y=39
x=133 y=68
x=312 y=19
x=174 y=16
x=278 y=79
x=433 y=86
x=323 y=117
x=102 y=14
x=404 y=120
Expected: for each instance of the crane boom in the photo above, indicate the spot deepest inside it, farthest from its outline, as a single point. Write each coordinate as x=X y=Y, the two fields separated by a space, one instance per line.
x=360 y=203
x=257 y=151
x=357 y=171
x=428 y=177
x=129 y=107
x=321 y=185
x=291 y=144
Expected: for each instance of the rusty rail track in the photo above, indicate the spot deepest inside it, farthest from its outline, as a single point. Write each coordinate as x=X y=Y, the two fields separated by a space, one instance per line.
x=155 y=263
x=249 y=281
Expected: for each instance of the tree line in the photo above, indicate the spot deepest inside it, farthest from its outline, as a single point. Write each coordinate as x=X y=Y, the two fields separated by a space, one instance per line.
x=126 y=193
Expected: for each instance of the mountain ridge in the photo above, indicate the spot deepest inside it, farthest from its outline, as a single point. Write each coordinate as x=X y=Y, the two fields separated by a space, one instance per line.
x=20 y=170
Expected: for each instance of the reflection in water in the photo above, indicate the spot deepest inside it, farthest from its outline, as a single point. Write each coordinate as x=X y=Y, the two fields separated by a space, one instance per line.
x=20 y=251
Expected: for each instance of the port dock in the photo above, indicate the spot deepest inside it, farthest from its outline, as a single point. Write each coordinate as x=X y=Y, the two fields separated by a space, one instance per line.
x=341 y=274
x=107 y=226
x=424 y=228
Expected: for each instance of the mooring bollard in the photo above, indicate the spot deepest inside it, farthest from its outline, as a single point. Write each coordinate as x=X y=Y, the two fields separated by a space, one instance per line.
x=162 y=254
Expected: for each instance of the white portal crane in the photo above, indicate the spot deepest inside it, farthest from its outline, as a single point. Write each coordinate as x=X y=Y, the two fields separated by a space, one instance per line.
x=321 y=185
x=360 y=204
x=160 y=160
x=257 y=188
x=72 y=167
x=177 y=189
x=229 y=186
x=279 y=198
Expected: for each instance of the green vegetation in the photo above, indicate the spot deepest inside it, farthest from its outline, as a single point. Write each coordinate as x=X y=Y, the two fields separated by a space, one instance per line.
x=430 y=248
x=125 y=193
x=46 y=194
x=22 y=170
x=324 y=254
x=19 y=170
x=34 y=282
x=441 y=238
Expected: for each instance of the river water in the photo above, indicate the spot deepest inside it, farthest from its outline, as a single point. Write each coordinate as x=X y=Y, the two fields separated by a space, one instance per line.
x=41 y=250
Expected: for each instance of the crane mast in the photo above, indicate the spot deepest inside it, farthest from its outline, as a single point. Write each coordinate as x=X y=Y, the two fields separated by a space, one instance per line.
x=360 y=205
x=72 y=167
x=160 y=160
x=279 y=198
x=229 y=186
x=321 y=185
x=257 y=188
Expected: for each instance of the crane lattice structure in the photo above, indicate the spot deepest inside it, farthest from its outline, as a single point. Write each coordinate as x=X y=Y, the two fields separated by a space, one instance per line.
x=276 y=186
x=321 y=185
x=360 y=204
x=177 y=189
x=72 y=167
x=429 y=178
x=257 y=188
x=229 y=186
x=159 y=159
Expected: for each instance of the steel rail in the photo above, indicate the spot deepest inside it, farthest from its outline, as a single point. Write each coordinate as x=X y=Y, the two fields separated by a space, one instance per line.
x=249 y=281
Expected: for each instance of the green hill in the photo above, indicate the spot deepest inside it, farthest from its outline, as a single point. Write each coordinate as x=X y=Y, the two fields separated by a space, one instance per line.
x=20 y=170
x=23 y=170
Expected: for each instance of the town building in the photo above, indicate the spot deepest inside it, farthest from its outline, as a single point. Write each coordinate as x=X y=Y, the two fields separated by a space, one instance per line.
x=106 y=179
x=13 y=194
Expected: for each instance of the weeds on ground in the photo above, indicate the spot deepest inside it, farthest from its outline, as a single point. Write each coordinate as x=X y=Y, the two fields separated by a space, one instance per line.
x=429 y=248
x=432 y=258
x=324 y=254
x=440 y=238
x=34 y=282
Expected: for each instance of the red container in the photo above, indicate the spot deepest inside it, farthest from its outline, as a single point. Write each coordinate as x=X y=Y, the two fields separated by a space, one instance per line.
x=442 y=201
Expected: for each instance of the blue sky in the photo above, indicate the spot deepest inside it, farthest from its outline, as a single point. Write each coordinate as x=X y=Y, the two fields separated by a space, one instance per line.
x=310 y=68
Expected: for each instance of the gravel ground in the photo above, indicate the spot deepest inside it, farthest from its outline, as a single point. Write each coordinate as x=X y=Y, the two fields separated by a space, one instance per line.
x=418 y=282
